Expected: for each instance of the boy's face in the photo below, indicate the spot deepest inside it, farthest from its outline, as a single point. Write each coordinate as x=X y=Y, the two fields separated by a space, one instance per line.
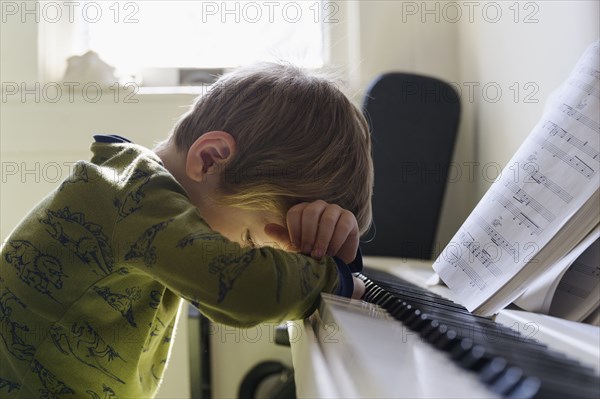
x=243 y=226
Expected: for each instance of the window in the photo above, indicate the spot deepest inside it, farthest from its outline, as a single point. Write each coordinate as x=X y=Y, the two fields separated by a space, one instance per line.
x=169 y=43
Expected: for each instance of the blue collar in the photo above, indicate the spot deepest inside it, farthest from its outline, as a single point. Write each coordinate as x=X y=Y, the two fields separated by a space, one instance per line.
x=110 y=138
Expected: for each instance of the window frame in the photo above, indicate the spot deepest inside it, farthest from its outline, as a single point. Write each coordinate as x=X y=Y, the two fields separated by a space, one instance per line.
x=53 y=53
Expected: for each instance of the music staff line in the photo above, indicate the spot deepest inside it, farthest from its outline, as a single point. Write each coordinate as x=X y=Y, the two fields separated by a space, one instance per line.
x=540 y=178
x=517 y=214
x=522 y=197
x=586 y=87
x=589 y=70
x=472 y=274
x=495 y=237
x=578 y=116
x=555 y=130
x=588 y=270
x=572 y=160
x=481 y=254
x=573 y=290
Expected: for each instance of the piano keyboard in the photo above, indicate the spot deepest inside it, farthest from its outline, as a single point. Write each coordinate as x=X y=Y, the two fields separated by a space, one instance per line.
x=505 y=362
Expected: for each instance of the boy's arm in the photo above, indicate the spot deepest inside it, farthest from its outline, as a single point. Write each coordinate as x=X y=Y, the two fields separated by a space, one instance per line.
x=167 y=239
x=317 y=229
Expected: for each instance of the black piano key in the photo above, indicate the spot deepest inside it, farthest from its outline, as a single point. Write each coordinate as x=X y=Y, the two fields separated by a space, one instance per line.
x=492 y=370
x=527 y=388
x=437 y=333
x=475 y=358
x=522 y=351
x=507 y=380
x=481 y=335
x=521 y=354
x=394 y=306
x=464 y=346
x=412 y=316
x=419 y=323
x=507 y=336
x=468 y=326
x=387 y=299
x=429 y=328
x=403 y=312
x=447 y=340
x=378 y=296
x=409 y=314
x=510 y=330
x=515 y=366
x=432 y=299
x=563 y=388
x=370 y=296
x=405 y=288
x=429 y=310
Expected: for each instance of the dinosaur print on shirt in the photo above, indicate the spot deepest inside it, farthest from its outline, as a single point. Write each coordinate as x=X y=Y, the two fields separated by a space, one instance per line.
x=83 y=238
x=36 y=269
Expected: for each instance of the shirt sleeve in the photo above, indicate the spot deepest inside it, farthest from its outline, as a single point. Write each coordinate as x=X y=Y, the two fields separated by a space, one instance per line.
x=346 y=283
x=165 y=237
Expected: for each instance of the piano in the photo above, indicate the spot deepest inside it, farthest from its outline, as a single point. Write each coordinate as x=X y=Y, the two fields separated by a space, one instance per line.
x=408 y=339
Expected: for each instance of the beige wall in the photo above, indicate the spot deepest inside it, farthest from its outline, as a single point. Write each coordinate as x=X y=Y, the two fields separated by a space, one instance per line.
x=39 y=139
x=540 y=54
x=376 y=37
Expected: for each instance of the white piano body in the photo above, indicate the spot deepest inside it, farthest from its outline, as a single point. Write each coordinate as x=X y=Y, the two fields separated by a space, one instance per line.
x=353 y=349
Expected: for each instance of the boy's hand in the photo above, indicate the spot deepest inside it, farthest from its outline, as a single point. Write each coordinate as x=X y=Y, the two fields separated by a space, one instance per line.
x=317 y=229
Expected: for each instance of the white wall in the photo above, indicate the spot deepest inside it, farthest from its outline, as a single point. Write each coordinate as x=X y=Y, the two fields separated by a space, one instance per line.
x=375 y=37
x=540 y=53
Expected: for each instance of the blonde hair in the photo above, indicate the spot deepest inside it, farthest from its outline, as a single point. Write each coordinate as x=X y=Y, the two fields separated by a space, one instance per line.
x=298 y=136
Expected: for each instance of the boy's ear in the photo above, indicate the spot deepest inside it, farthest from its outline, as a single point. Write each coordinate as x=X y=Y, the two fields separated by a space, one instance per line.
x=209 y=152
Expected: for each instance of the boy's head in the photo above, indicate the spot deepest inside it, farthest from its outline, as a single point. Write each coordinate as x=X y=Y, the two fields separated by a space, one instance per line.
x=297 y=136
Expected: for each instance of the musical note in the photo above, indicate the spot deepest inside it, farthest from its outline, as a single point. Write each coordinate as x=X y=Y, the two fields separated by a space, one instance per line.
x=532 y=157
x=556 y=130
x=522 y=197
x=582 y=104
x=496 y=237
x=517 y=214
x=481 y=254
x=573 y=161
x=475 y=279
x=578 y=116
x=540 y=178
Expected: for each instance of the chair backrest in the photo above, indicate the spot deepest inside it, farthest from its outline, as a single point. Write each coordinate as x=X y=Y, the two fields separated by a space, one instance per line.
x=414 y=122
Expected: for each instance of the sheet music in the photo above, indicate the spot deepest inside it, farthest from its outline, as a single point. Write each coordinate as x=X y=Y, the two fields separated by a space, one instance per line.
x=578 y=293
x=540 y=293
x=554 y=172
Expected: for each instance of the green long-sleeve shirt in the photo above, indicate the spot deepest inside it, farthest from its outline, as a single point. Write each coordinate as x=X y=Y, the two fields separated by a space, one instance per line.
x=91 y=280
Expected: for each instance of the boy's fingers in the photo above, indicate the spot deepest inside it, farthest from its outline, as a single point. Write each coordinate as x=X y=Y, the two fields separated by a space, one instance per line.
x=311 y=216
x=326 y=230
x=319 y=228
x=344 y=243
x=294 y=223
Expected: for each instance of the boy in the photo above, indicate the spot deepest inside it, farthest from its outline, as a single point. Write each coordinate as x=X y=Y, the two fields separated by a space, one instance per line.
x=270 y=158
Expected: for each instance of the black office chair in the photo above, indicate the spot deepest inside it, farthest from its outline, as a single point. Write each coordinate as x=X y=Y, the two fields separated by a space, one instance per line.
x=414 y=122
